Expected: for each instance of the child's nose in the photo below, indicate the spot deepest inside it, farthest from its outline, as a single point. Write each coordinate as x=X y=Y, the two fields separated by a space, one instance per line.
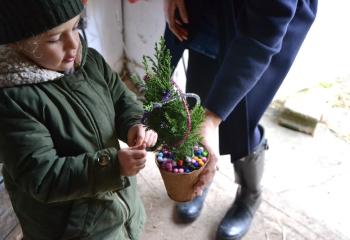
x=72 y=41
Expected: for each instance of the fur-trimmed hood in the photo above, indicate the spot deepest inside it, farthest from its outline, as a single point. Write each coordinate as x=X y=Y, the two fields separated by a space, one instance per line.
x=16 y=69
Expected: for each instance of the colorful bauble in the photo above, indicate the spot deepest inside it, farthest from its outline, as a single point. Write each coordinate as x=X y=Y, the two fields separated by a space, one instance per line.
x=167 y=161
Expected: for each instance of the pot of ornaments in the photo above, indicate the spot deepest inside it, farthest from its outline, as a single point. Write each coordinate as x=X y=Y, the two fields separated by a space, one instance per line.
x=179 y=155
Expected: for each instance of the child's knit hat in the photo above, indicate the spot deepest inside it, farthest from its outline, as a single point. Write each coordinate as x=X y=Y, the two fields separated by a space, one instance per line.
x=21 y=19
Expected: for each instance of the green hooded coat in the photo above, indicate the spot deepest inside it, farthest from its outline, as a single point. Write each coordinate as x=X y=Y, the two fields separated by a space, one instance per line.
x=58 y=142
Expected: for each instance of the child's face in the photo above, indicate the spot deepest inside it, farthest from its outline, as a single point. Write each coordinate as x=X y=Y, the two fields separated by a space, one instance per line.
x=55 y=49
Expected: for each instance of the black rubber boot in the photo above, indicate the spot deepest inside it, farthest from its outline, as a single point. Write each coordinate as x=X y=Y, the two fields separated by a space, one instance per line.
x=189 y=211
x=248 y=173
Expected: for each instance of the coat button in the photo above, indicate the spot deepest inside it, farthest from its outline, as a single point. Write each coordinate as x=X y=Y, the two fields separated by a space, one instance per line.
x=103 y=159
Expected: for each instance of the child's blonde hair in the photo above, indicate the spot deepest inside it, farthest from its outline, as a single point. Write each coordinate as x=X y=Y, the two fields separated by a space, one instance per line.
x=23 y=46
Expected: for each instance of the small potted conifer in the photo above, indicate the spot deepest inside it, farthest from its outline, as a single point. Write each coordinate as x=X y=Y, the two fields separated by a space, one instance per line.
x=179 y=155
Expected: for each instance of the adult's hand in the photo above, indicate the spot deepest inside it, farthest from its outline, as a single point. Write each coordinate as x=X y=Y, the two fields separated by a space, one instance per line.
x=208 y=130
x=176 y=25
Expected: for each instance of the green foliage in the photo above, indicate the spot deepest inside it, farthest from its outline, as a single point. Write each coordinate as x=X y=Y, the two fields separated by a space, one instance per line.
x=164 y=106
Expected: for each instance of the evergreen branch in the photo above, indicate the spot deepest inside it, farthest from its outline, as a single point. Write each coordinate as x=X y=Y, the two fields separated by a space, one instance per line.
x=164 y=106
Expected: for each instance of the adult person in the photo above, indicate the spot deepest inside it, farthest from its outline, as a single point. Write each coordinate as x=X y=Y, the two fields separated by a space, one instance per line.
x=239 y=53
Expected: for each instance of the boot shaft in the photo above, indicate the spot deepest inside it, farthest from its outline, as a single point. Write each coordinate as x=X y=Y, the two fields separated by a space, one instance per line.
x=248 y=174
x=249 y=170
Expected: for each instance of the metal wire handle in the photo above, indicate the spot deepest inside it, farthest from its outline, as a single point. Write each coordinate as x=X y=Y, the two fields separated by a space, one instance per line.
x=184 y=97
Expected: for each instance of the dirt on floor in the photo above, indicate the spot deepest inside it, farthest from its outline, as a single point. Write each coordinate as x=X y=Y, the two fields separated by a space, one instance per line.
x=338 y=116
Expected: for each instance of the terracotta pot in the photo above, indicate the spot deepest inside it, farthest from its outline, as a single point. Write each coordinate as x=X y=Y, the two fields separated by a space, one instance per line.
x=179 y=186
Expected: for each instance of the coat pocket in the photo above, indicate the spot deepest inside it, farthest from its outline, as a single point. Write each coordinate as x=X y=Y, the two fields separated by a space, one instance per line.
x=76 y=220
x=101 y=218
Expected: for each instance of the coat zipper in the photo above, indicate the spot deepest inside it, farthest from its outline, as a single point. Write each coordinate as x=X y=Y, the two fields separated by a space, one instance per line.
x=101 y=146
x=126 y=215
x=89 y=115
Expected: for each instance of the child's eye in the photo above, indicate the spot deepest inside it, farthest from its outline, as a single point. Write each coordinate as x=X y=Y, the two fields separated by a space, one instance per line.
x=81 y=24
x=53 y=40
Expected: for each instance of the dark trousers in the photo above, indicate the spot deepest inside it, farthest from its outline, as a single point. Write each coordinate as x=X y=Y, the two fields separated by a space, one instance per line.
x=239 y=134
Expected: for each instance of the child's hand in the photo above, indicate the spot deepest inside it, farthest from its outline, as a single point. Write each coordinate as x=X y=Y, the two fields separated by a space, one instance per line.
x=138 y=134
x=132 y=160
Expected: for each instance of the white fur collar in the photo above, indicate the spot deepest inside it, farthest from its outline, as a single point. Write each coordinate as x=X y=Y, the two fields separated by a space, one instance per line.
x=17 y=70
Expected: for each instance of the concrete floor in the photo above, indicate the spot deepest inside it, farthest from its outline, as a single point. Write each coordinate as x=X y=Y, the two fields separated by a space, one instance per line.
x=305 y=192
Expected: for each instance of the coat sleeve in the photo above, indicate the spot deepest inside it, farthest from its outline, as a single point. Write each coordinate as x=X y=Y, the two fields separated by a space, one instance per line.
x=128 y=109
x=261 y=26
x=33 y=165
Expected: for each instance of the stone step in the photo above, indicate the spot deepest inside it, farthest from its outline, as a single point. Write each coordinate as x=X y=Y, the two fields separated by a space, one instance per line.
x=304 y=110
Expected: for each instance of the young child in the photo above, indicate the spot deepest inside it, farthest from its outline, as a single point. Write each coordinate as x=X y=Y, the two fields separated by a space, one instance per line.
x=62 y=110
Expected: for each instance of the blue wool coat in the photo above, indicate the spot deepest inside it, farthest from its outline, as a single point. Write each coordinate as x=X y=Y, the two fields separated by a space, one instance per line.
x=240 y=52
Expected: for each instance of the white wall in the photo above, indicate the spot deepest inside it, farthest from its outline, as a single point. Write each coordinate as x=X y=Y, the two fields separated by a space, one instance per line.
x=144 y=25
x=104 y=31
x=325 y=54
